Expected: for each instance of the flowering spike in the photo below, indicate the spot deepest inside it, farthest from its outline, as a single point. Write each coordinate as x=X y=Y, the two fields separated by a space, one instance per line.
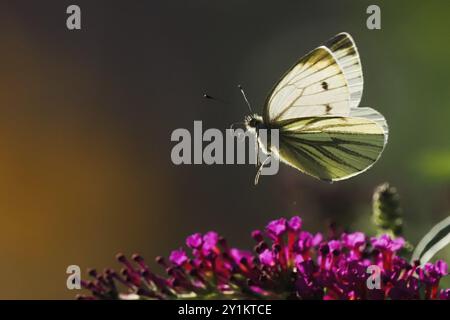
x=293 y=263
x=387 y=214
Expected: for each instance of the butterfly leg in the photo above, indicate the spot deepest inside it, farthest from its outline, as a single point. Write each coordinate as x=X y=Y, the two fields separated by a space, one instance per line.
x=260 y=167
x=257 y=150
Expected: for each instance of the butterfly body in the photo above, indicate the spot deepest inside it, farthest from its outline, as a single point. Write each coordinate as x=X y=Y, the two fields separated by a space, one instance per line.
x=315 y=106
x=255 y=122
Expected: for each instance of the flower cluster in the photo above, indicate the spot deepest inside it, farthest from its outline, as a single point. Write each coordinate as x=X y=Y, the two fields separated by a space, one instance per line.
x=286 y=263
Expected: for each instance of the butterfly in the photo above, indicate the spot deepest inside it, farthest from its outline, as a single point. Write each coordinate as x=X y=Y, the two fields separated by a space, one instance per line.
x=315 y=107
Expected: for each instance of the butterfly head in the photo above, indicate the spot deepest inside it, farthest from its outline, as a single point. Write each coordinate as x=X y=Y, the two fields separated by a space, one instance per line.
x=254 y=122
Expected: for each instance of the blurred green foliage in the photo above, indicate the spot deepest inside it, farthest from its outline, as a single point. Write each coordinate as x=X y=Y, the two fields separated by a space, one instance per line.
x=435 y=165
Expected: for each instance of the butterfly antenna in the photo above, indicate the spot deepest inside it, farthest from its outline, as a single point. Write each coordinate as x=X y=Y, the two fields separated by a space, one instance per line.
x=245 y=98
x=209 y=97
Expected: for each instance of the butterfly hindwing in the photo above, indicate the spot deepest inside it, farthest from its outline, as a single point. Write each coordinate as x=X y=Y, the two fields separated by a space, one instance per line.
x=373 y=115
x=330 y=148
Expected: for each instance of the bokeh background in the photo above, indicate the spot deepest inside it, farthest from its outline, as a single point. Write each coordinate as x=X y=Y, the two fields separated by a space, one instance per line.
x=86 y=118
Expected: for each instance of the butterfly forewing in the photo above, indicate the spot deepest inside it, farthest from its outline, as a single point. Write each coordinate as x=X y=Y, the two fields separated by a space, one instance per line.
x=316 y=85
x=344 y=50
x=330 y=148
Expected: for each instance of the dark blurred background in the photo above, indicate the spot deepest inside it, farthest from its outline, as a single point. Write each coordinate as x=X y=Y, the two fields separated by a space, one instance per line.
x=86 y=118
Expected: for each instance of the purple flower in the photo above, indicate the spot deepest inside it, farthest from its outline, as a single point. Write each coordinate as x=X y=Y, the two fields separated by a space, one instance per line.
x=441 y=268
x=194 y=241
x=295 y=223
x=257 y=235
x=304 y=241
x=385 y=242
x=276 y=227
x=432 y=273
x=444 y=294
x=178 y=257
x=298 y=260
x=307 y=268
x=238 y=255
x=267 y=258
x=335 y=246
x=210 y=240
x=353 y=240
x=291 y=263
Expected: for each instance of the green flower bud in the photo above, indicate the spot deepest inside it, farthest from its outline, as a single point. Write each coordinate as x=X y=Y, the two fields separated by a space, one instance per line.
x=387 y=214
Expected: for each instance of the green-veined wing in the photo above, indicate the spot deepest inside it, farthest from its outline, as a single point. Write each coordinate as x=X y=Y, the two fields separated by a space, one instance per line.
x=326 y=81
x=330 y=148
x=316 y=85
x=344 y=50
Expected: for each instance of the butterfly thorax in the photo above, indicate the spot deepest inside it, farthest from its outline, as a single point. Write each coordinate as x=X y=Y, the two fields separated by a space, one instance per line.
x=254 y=122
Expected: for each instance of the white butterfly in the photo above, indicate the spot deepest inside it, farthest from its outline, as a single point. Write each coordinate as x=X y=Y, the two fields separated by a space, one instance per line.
x=315 y=106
